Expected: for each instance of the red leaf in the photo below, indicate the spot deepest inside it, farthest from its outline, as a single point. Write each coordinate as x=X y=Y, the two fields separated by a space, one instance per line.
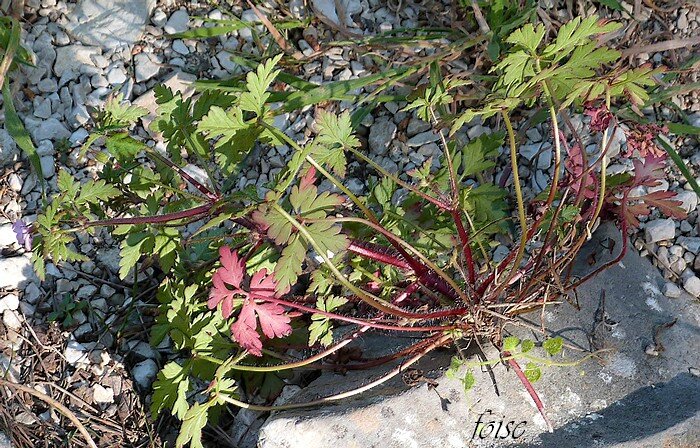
x=649 y=170
x=308 y=179
x=669 y=207
x=230 y=273
x=574 y=165
x=273 y=321
x=641 y=206
x=228 y=285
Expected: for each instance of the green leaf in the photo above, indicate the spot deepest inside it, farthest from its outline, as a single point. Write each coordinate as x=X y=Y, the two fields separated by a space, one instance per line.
x=455 y=364
x=479 y=155
x=526 y=345
x=527 y=37
x=117 y=113
x=123 y=147
x=329 y=237
x=532 y=372
x=683 y=129
x=321 y=329
x=170 y=390
x=290 y=264
x=94 y=191
x=553 y=345
x=257 y=83
x=218 y=122
x=633 y=83
x=577 y=32
x=309 y=204
x=67 y=185
x=468 y=380
x=131 y=249
x=612 y=4
x=16 y=129
x=194 y=421
x=334 y=137
x=510 y=343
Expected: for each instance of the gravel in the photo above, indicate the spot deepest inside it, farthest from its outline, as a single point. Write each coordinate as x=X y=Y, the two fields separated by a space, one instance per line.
x=660 y=230
x=88 y=49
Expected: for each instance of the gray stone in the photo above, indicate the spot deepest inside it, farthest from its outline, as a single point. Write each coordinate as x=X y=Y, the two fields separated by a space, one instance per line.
x=76 y=354
x=144 y=373
x=8 y=237
x=629 y=399
x=159 y=18
x=32 y=293
x=109 y=257
x=15 y=182
x=116 y=76
x=9 y=302
x=689 y=200
x=659 y=230
x=45 y=148
x=48 y=167
x=416 y=126
x=224 y=58
x=8 y=149
x=16 y=272
x=530 y=151
x=177 y=23
x=672 y=291
x=692 y=285
x=544 y=160
x=147 y=66
x=339 y=13
x=47 y=85
x=477 y=131
x=180 y=47
x=86 y=292
x=76 y=59
x=42 y=107
x=423 y=138
x=110 y=24
x=50 y=129
x=691 y=244
x=79 y=136
x=534 y=135
x=381 y=133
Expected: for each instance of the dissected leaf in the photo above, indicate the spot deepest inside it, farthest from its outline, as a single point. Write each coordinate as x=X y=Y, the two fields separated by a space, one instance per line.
x=273 y=320
x=320 y=329
x=170 y=390
x=553 y=345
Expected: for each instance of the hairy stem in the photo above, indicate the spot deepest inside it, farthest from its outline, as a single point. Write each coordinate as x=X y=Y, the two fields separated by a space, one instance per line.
x=518 y=195
x=530 y=389
x=439 y=341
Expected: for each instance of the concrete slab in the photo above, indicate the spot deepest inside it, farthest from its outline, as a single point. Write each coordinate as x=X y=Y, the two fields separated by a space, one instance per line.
x=629 y=399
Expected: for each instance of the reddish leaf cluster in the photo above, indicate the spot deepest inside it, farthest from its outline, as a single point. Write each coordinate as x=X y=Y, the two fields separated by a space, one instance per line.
x=600 y=116
x=575 y=169
x=230 y=289
x=641 y=138
x=647 y=172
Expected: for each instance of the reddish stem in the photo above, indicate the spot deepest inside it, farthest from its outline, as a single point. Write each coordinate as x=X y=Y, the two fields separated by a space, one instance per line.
x=466 y=248
x=194 y=182
x=167 y=217
x=378 y=253
x=352 y=320
x=530 y=389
